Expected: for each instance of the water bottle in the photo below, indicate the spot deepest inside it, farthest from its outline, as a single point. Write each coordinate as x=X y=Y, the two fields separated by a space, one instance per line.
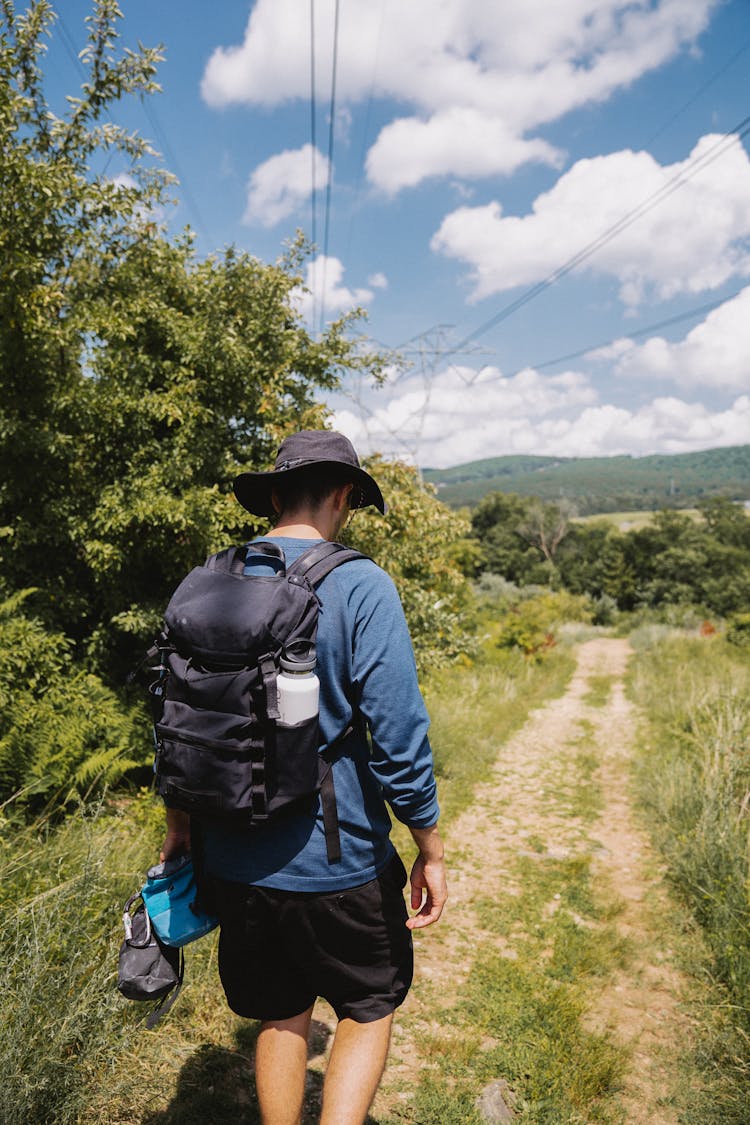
x=297 y=685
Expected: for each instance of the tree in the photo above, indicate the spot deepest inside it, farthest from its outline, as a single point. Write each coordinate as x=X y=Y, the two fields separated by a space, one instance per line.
x=496 y=522
x=137 y=381
x=419 y=542
x=545 y=526
x=593 y=560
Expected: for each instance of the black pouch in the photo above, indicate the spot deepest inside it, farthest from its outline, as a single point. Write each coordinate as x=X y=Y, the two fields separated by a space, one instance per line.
x=147 y=969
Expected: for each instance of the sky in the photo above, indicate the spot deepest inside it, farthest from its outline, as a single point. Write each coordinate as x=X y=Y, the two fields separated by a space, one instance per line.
x=543 y=205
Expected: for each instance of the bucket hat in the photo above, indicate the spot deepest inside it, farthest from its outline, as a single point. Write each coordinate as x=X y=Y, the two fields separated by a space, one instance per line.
x=297 y=454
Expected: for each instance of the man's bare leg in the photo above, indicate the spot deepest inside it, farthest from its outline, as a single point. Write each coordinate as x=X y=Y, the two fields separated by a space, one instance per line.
x=280 y=1067
x=354 y=1070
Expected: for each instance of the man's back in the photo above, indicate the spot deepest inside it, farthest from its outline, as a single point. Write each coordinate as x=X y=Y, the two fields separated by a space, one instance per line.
x=365 y=665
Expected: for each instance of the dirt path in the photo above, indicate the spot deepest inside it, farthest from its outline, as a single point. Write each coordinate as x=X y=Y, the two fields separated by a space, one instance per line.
x=525 y=800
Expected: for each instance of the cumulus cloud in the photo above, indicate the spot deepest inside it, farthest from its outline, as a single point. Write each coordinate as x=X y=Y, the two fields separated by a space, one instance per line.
x=690 y=242
x=716 y=353
x=279 y=186
x=465 y=415
x=461 y=414
x=323 y=289
x=458 y=141
x=509 y=67
x=378 y=281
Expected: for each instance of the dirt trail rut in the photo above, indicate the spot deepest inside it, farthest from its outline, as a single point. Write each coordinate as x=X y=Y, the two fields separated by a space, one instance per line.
x=638 y=1005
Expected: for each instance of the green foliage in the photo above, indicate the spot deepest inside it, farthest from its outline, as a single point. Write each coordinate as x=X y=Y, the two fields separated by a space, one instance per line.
x=418 y=542
x=137 y=380
x=61 y=729
x=738 y=630
x=497 y=523
x=671 y=560
x=530 y=625
x=603 y=484
x=694 y=778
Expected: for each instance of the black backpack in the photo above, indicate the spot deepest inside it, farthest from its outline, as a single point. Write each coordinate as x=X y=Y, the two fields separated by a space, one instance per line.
x=220 y=748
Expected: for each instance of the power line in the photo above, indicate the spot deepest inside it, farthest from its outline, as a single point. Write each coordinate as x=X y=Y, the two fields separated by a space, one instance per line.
x=663 y=128
x=331 y=131
x=677 y=181
x=698 y=93
x=649 y=328
x=414 y=422
x=313 y=144
x=646 y=330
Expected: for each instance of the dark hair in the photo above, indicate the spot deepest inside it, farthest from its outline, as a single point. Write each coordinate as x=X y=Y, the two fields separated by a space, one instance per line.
x=310 y=489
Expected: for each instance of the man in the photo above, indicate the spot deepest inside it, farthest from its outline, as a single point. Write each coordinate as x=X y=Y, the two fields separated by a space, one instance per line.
x=295 y=926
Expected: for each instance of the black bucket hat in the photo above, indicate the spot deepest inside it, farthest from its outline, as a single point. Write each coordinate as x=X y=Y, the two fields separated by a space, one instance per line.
x=297 y=454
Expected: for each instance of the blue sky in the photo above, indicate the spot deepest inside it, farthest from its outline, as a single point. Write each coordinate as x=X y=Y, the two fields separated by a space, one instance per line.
x=478 y=149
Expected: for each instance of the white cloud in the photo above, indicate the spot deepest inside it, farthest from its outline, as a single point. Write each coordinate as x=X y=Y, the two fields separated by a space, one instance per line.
x=461 y=414
x=690 y=242
x=323 y=277
x=378 y=281
x=457 y=141
x=279 y=186
x=665 y=425
x=516 y=65
x=467 y=416
x=124 y=180
x=716 y=353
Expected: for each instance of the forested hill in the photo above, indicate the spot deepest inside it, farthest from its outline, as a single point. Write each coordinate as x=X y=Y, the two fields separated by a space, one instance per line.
x=603 y=484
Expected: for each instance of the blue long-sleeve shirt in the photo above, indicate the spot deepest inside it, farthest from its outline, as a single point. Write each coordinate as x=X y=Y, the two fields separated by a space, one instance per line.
x=365 y=667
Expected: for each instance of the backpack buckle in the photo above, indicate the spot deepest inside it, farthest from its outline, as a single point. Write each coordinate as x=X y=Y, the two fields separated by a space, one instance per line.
x=269 y=672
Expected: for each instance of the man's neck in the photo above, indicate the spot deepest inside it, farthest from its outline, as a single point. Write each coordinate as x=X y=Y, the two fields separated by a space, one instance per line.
x=297 y=531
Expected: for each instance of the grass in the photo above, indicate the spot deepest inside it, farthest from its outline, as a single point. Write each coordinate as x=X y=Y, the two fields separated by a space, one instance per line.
x=475 y=710
x=633 y=520
x=693 y=781
x=521 y=1012
x=73 y=1049
x=599 y=691
x=541 y=955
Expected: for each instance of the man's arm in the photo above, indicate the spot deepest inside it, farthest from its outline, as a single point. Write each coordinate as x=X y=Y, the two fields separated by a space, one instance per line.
x=177 y=841
x=428 y=881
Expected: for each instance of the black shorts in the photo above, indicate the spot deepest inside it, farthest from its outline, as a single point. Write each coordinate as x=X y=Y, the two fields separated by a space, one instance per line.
x=280 y=950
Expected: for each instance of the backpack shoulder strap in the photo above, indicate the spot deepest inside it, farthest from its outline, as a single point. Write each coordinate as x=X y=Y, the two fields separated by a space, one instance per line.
x=233 y=558
x=318 y=562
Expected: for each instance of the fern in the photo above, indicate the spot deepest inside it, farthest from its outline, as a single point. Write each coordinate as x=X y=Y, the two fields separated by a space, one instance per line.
x=61 y=729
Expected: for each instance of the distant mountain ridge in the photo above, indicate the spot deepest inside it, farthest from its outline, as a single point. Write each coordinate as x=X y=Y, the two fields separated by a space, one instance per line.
x=602 y=484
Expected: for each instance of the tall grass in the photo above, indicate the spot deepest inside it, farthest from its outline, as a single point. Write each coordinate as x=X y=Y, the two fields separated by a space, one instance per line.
x=61 y=891
x=71 y=1049
x=693 y=779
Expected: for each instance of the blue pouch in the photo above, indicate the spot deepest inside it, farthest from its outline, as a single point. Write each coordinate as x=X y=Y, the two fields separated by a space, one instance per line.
x=169 y=896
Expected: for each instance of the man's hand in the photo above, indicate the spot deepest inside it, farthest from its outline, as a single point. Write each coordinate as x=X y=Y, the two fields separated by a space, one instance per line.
x=429 y=889
x=177 y=840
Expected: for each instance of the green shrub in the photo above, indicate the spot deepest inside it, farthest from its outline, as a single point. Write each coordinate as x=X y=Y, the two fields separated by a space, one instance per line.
x=61 y=729
x=530 y=625
x=738 y=630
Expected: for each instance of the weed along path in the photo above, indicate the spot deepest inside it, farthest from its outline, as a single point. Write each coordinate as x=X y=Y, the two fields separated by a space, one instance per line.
x=547 y=993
